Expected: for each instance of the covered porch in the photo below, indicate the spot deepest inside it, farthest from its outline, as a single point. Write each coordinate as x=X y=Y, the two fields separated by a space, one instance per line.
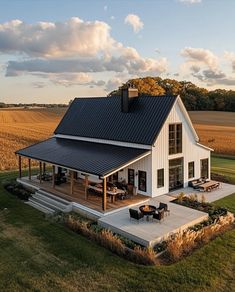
x=82 y=172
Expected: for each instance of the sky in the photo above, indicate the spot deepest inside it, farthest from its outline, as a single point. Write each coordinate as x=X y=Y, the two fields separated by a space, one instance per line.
x=52 y=51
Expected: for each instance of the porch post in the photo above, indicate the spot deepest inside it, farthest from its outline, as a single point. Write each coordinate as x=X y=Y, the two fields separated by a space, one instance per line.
x=29 y=169
x=104 y=198
x=53 y=176
x=20 y=167
x=43 y=167
x=86 y=185
x=71 y=182
x=40 y=169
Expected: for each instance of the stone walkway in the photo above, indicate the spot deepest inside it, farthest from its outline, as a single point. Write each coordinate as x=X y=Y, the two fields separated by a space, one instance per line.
x=225 y=190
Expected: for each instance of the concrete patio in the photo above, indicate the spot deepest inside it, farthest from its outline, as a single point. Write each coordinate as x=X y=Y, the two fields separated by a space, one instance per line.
x=148 y=233
x=223 y=191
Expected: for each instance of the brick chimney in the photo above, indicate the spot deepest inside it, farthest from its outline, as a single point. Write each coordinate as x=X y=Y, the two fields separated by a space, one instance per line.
x=129 y=93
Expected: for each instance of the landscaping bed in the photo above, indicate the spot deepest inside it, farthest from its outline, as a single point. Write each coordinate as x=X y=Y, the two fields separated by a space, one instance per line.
x=17 y=189
x=174 y=248
x=114 y=242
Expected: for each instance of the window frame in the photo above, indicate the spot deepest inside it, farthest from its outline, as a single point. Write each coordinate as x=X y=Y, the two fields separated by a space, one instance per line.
x=140 y=173
x=129 y=176
x=175 y=138
x=160 y=174
x=201 y=167
x=193 y=170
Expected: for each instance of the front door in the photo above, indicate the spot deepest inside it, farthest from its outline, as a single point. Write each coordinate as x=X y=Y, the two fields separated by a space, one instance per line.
x=176 y=174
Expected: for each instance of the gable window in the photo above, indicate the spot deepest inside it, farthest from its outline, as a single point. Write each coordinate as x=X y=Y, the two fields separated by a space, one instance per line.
x=204 y=168
x=142 y=180
x=175 y=138
x=131 y=176
x=160 y=178
x=191 y=169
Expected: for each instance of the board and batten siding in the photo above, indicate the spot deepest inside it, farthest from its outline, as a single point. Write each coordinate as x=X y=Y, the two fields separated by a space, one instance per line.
x=143 y=165
x=190 y=151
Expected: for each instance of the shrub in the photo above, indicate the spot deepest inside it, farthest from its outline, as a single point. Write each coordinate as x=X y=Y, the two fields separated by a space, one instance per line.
x=113 y=242
x=183 y=243
x=17 y=189
x=144 y=256
x=203 y=199
x=180 y=197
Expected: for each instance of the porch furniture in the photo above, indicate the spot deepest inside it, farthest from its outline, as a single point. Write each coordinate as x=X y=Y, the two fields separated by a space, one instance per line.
x=196 y=183
x=45 y=176
x=159 y=215
x=209 y=186
x=147 y=210
x=113 y=194
x=164 y=207
x=135 y=214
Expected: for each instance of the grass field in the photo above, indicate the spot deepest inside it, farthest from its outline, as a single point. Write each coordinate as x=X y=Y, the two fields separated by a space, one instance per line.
x=224 y=166
x=38 y=255
x=216 y=130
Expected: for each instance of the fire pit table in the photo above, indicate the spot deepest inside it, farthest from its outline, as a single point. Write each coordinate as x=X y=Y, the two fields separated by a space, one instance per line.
x=148 y=210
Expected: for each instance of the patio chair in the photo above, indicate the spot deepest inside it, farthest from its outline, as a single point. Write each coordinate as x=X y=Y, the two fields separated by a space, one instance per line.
x=164 y=207
x=135 y=214
x=159 y=215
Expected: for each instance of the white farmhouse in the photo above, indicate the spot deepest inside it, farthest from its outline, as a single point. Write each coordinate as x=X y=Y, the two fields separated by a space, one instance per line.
x=144 y=144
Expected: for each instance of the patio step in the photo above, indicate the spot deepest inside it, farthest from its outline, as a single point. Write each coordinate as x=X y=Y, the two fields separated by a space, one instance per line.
x=55 y=198
x=62 y=206
x=49 y=202
x=40 y=207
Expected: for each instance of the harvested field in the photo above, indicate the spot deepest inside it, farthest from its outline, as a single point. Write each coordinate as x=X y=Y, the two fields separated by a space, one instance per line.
x=216 y=130
x=22 y=127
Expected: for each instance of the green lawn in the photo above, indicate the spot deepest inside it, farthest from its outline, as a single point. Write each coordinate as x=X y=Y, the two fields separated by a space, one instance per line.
x=42 y=256
x=227 y=202
x=224 y=166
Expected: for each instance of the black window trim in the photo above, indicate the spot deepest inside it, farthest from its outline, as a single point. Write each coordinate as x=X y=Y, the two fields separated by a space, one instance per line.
x=175 y=146
x=145 y=189
x=163 y=178
x=191 y=177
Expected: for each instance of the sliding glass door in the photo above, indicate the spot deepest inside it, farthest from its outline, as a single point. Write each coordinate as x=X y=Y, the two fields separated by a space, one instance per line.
x=176 y=173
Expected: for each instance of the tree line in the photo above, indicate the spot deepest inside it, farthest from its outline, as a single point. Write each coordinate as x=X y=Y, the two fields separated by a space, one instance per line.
x=194 y=97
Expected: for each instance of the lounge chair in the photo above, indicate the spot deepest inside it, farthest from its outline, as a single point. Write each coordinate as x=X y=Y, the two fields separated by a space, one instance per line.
x=196 y=183
x=135 y=214
x=159 y=215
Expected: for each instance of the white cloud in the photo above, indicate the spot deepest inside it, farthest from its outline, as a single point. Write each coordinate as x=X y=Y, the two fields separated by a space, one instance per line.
x=204 y=65
x=231 y=57
x=128 y=61
x=74 y=37
x=105 y=7
x=113 y=84
x=200 y=56
x=134 y=21
x=71 y=48
x=190 y=1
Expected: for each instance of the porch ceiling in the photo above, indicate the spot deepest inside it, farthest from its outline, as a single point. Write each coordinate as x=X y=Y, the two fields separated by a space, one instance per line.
x=91 y=158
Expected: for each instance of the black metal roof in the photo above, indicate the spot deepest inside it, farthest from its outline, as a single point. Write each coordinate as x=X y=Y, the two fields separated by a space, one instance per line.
x=94 y=158
x=102 y=118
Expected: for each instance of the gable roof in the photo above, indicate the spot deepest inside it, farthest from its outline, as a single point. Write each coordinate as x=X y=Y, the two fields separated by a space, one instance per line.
x=102 y=118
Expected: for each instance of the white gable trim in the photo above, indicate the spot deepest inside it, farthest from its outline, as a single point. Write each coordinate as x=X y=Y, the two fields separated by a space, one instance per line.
x=102 y=141
x=187 y=117
x=127 y=164
x=205 y=147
